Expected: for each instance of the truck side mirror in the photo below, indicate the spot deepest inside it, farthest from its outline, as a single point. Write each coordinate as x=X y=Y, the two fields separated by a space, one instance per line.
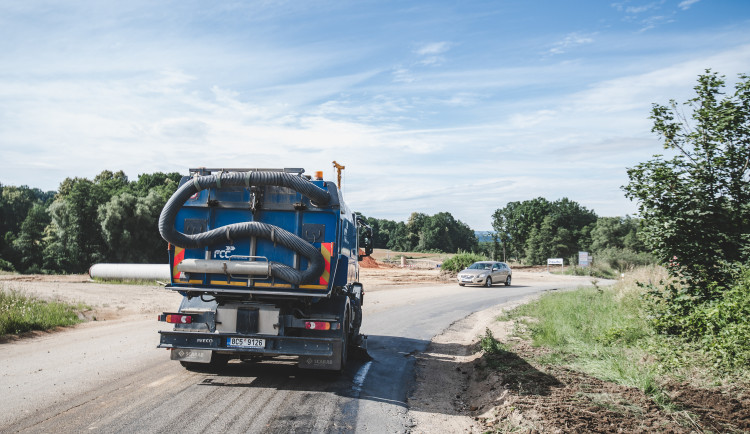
x=367 y=244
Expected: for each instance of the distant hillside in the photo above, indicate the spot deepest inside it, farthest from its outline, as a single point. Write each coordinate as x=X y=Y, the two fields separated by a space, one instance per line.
x=483 y=236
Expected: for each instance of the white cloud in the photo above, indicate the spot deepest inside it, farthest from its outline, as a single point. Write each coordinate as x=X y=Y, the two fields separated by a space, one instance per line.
x=430 y=54
x=433 y=48
x=686 y=4
x=569 y=41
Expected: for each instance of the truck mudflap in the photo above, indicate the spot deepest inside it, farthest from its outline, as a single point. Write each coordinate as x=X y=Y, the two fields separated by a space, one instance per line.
x=314 y=353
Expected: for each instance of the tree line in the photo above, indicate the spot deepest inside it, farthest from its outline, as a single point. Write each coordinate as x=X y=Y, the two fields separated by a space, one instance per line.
x=527 y=232
x=107 y=219
x=532 y=231
x=113 y=219
x=424 y=233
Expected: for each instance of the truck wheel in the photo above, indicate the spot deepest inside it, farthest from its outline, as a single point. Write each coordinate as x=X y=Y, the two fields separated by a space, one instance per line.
x=488 y=283
x=344 y=343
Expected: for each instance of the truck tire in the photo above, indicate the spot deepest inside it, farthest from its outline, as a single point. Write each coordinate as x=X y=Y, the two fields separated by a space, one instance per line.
x=344 y=342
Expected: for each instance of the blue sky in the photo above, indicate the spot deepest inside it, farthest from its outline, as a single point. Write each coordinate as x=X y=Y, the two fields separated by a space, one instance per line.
x=432 y=106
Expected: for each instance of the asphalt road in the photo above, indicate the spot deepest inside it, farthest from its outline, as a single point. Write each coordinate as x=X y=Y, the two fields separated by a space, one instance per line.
x=109 y=377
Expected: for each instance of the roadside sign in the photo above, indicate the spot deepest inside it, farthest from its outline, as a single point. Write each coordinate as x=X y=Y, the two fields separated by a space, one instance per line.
x=555 y=261
x=583 y=259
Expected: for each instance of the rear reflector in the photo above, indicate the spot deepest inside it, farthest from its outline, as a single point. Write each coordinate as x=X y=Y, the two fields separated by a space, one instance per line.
x=316 y=325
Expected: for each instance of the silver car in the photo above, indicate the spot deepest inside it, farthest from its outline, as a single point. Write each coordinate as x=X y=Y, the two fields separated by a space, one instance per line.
x=485 y=273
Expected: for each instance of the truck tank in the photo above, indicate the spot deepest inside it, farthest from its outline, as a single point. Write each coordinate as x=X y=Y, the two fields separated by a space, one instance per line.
x=267 y=261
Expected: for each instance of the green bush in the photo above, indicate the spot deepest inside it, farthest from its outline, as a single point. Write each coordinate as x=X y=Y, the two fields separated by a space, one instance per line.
x=623 y=260
x=6 y=266
x=461 y=261
x=490 y=345
x=595 y=270
x=722 y=326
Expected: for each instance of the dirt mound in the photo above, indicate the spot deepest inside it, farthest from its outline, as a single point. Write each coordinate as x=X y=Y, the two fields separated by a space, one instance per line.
x=368 y=261
x=717 y=410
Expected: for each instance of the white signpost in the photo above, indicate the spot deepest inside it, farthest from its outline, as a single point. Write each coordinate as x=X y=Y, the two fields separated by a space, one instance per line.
x=555 y=261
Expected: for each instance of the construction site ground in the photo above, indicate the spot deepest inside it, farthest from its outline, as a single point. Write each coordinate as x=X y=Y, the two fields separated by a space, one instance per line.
x=524 y=396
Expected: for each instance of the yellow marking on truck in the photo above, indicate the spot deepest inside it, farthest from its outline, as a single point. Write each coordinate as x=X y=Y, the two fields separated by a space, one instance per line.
x=224 y=282
x=269 y=285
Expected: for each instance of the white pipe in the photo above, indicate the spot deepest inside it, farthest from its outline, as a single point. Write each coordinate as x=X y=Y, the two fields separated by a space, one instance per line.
x=130 y=271
x=260 y=268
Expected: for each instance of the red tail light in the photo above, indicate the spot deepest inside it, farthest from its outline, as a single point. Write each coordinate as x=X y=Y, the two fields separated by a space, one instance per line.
x=174 y=318
x=317 y=325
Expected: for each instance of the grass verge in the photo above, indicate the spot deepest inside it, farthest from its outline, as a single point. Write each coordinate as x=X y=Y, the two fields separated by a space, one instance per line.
x=20 y=313
x=606 y=332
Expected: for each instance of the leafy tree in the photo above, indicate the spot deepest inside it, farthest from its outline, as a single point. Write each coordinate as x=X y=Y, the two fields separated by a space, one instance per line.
x=158 y=180
x=129 y=227
x=15 y=204
x=30 y=240
x=538 y=229
x=696 y=205
x=444 y=233
x=617 y=233
x=76 y=241
x=399 y=240
x=440 y=232
x=515 y=222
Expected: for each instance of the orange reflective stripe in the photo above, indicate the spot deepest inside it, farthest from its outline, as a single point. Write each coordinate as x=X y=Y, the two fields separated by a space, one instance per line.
x=326 y=249
x=179 y=255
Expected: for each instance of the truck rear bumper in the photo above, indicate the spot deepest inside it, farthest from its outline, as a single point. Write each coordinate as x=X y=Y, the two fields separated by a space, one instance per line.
x=274 y=345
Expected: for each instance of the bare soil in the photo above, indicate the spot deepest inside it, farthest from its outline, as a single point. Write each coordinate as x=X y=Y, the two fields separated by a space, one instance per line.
x=513 y=392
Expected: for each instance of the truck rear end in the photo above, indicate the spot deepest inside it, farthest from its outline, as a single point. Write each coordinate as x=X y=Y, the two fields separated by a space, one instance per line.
x=267 y=263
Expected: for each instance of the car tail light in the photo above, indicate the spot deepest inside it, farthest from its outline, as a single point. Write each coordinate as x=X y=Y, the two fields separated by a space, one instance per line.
x=317 y=325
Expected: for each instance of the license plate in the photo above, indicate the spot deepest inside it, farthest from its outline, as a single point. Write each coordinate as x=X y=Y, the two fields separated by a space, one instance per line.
x=246 y=343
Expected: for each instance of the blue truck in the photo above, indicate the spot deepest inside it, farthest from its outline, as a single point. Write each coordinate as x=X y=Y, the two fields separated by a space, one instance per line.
x=267 y=262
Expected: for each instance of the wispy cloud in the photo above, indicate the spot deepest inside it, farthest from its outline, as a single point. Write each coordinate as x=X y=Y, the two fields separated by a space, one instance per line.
x=686 y=4
x=570 y=41
x=431 y=53
x=648 y=15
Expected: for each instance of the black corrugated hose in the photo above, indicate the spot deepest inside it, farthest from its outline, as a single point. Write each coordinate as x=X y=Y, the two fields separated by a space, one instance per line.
x=248 y=229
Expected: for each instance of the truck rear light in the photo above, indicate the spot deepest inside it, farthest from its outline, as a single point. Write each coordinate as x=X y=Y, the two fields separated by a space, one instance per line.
x=174 y=318
x=317 y=325
x=179 y=319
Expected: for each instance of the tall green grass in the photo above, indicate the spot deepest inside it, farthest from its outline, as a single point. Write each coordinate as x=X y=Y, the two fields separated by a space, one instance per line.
x=611 y=333
x=603 y=331
x=20 y=313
